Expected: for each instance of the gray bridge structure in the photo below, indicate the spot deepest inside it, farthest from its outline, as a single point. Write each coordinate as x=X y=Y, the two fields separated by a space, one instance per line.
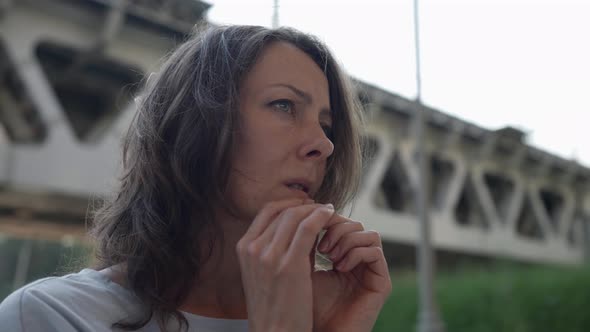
x=68 y=74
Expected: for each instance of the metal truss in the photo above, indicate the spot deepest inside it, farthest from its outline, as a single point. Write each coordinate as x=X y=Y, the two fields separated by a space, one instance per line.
x=490 y=193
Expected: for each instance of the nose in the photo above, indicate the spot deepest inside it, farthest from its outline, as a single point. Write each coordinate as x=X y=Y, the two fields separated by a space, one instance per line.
x=316 y=144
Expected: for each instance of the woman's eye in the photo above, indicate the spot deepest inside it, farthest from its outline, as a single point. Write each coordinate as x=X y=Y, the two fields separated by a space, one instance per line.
x=283 y=105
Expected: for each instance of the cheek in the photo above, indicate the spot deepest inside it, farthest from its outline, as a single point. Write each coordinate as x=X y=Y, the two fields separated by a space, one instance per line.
x=250 y=161
x=240 y=197
x=252 y=178
x=261 y=150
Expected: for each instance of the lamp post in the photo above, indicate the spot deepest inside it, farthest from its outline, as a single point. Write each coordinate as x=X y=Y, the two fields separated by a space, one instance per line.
x=275 y=14
x=428 y=314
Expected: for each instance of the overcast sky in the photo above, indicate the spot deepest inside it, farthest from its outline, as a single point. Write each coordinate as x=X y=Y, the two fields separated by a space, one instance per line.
x=524 y=63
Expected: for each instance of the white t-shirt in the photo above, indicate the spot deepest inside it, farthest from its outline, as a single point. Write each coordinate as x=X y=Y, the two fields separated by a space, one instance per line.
x=86 y=301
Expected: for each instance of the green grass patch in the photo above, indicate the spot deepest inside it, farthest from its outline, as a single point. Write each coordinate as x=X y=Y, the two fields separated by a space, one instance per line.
x=502 y=298
x=47 y=258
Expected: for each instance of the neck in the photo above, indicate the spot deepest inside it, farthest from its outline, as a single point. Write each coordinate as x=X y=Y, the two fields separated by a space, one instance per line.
x=218 y=292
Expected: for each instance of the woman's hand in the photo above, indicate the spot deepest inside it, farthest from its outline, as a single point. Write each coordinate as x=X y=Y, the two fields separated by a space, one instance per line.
x=276 y=268
x=350 y=297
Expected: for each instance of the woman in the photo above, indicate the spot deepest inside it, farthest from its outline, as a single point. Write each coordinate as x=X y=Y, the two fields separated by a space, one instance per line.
x=244 y=147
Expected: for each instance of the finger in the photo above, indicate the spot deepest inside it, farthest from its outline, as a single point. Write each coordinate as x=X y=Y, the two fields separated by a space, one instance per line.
x=334 y=233
x=277 y=236
x=308 y=230
x=246 y=247
x=288 y=222
x=372 y=256
x=266 y=215
x=354 y=240
x=372 y=268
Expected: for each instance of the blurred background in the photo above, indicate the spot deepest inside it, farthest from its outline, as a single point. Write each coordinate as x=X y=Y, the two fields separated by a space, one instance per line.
x=505 y=84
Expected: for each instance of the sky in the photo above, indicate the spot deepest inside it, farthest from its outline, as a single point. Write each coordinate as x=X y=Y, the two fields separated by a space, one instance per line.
x=523 y=63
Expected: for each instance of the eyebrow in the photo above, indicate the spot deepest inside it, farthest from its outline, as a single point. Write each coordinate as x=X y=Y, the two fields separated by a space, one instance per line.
x=305 y=96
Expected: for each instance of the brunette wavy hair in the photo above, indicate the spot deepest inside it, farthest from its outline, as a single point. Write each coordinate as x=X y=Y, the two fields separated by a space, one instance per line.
x=176 y=161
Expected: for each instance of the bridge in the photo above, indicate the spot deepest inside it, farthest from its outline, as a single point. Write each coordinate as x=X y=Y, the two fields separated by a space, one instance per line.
x=69 y=71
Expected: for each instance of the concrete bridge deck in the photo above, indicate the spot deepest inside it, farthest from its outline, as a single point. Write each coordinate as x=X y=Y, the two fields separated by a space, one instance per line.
x=68 y=74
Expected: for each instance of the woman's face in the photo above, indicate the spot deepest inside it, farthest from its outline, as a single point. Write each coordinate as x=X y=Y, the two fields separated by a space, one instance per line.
x=283 y=140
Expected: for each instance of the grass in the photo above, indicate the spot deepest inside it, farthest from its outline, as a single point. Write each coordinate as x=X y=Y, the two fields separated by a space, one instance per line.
x=502 y=298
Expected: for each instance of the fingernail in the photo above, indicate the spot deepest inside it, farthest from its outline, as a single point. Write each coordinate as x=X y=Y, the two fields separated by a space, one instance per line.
x=329 y=206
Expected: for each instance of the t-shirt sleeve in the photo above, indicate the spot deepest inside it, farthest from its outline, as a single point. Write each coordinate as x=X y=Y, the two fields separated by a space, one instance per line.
x=29 y=311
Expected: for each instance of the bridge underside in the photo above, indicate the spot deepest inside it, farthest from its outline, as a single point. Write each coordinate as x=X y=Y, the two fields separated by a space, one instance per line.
x=68 y=74
x=489 y=193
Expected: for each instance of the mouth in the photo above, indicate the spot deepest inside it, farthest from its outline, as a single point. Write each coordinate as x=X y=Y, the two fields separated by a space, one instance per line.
x=300 y=187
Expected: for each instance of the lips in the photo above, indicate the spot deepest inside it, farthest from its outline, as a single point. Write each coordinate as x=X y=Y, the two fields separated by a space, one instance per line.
x=301 y=185
x=298 y=186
